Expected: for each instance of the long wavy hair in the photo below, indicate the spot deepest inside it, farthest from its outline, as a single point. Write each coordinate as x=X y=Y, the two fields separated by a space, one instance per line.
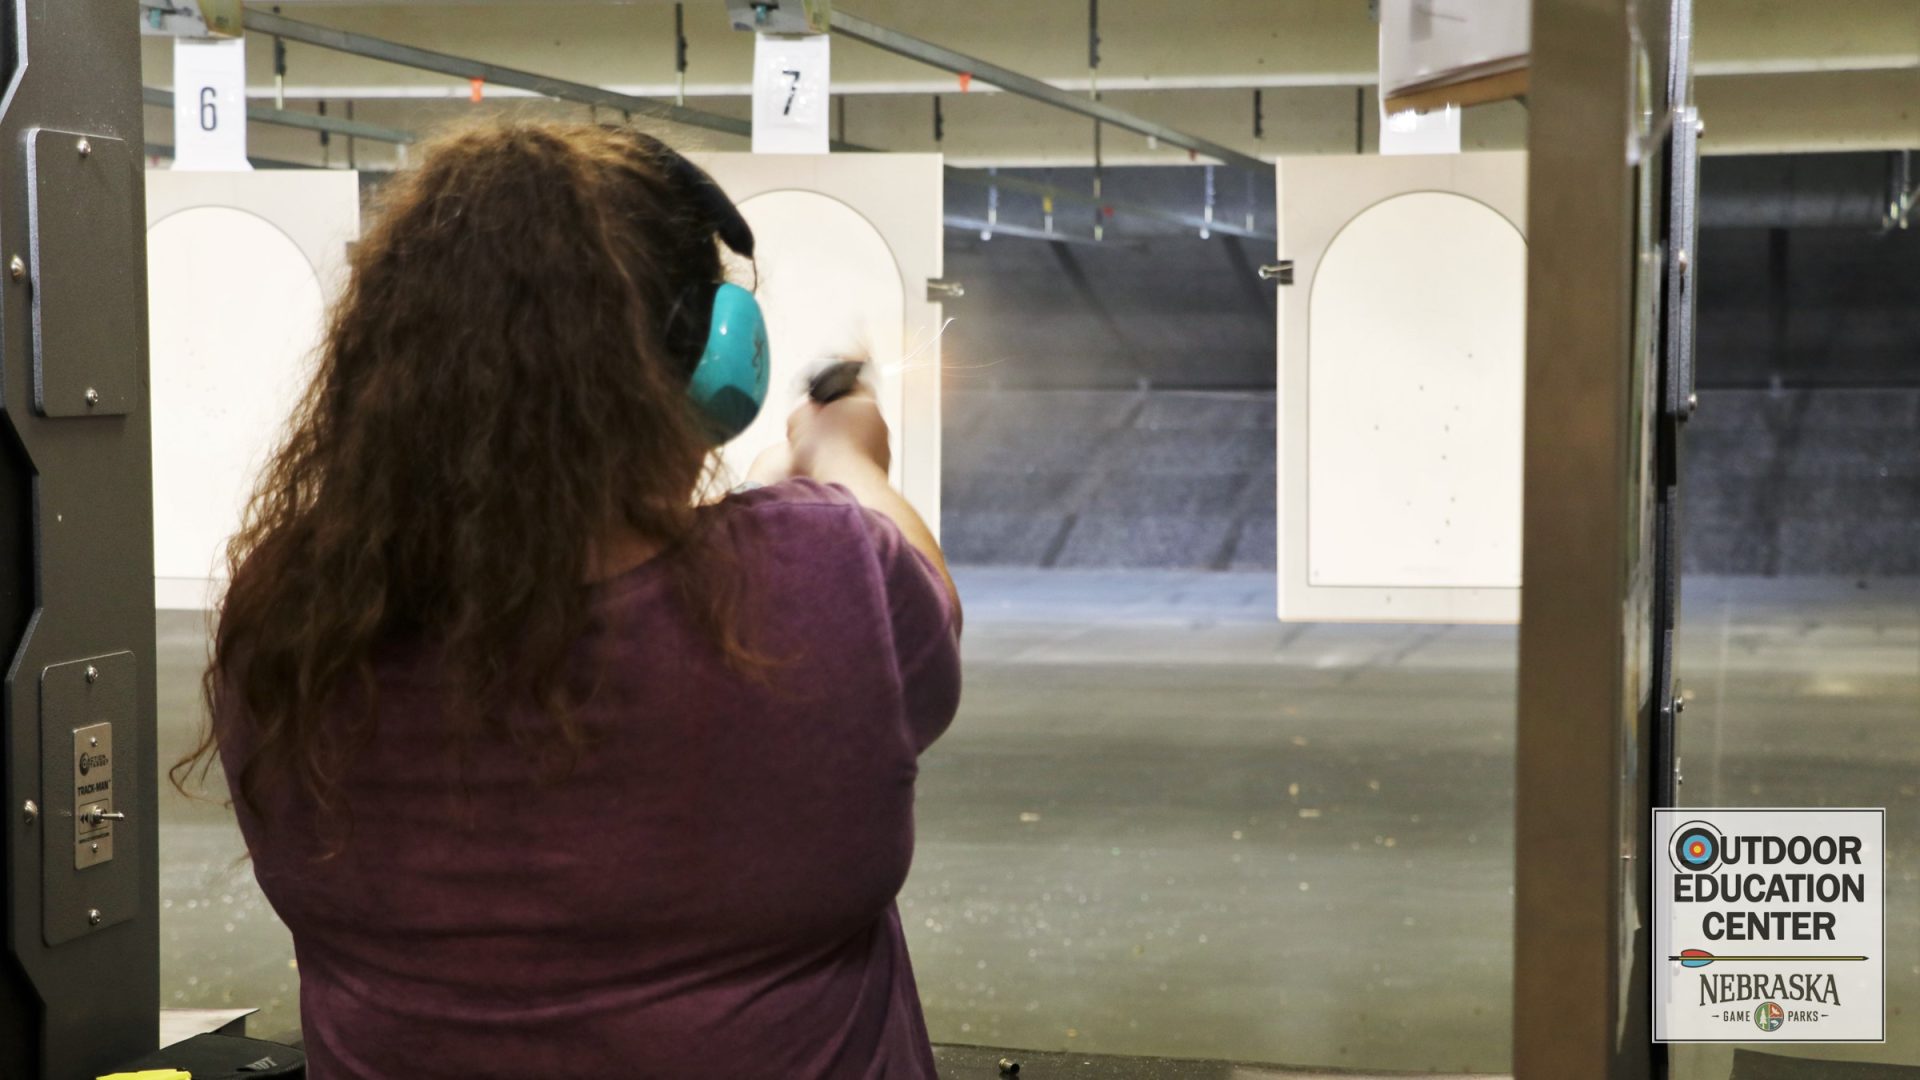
x=502 y=385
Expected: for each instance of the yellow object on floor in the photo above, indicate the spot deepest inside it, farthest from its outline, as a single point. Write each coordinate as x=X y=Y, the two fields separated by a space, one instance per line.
x=151 y=1074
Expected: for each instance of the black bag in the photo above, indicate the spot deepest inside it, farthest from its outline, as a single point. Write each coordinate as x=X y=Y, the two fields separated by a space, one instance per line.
x=226 y=1057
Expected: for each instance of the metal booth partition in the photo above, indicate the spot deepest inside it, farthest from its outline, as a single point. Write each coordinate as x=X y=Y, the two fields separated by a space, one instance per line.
x=1611 y=180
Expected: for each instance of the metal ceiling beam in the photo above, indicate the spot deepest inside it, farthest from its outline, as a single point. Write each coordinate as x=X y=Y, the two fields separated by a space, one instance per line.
x=1013 y=82
x=981 y=178
x=163 y=150
x=374 y=48
x=980 y=227
x=561 y=89
x=262 y=113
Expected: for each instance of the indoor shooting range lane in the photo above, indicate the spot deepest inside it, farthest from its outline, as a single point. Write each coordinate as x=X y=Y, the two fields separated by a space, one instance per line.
x=221 y=945
x=1113 y=853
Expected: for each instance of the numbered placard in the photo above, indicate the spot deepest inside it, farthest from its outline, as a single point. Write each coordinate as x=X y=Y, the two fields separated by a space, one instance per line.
x=790 y=94
x=210 y=105
x=1436 y=131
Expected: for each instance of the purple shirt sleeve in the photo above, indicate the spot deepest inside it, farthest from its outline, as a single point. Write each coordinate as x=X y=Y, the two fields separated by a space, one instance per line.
x=923 y=621
x=926 y=644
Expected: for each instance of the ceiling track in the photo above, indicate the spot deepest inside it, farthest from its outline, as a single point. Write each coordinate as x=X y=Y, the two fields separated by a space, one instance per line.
x=261 y=113
x=926 y=52
x=373 y=48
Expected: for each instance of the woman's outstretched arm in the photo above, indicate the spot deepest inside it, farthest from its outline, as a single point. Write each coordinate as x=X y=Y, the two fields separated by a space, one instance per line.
x=845 y=442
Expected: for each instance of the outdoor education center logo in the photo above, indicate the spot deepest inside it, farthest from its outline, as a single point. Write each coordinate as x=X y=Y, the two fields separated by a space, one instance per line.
x=1769 y=925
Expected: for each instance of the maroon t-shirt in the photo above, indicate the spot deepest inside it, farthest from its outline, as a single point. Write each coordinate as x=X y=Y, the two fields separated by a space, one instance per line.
x=709 y=892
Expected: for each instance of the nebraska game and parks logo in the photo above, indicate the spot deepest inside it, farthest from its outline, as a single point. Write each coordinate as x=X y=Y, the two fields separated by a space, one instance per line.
x=1769 y=926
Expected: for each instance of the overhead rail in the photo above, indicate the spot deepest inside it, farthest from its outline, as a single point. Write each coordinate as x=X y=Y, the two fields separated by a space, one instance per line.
x=262 y=113
x=982 y=178
x=373 y=48
x=1013 y=82
x=165 y=150
x=985 y=229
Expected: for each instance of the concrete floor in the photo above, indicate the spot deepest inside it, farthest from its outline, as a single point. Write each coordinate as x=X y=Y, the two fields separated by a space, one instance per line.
x=1166 y=825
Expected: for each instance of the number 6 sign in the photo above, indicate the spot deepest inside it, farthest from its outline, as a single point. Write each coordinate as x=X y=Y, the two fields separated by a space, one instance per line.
x=790 y=94
x=210 y=104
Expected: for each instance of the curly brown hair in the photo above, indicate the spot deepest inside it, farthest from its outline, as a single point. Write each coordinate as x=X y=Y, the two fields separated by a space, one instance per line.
x=503 y=384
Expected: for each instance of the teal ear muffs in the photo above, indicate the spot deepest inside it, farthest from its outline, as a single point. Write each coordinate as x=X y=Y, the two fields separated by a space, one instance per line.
x=729 y=381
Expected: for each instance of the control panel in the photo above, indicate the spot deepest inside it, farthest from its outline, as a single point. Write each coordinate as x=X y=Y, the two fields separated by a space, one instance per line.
x=87 y=727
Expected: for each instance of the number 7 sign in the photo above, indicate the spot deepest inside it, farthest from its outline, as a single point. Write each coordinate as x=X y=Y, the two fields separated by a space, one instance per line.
x=790 y=94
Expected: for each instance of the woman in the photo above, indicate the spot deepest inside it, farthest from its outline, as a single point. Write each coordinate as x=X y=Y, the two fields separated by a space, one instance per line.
x=550 y=771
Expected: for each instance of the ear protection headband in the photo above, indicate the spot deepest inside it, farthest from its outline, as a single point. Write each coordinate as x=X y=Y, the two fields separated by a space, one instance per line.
x=729 y=380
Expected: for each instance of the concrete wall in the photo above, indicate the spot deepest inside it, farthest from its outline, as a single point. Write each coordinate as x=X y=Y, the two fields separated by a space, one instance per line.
x=1776 y=483
x=1154 y=303
x=1106 y=478
x=1803 y=482
x=1809 y=307
x=1112 y=406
